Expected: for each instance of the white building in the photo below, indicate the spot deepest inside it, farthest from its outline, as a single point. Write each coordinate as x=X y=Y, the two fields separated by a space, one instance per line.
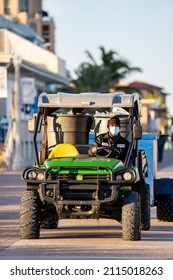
x=22 y=56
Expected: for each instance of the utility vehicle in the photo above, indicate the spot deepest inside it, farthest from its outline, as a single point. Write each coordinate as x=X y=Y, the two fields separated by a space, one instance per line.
x=66 y=183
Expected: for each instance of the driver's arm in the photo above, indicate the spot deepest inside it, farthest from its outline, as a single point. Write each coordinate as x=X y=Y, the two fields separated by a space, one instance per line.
x=97 y=143
x=92 y=151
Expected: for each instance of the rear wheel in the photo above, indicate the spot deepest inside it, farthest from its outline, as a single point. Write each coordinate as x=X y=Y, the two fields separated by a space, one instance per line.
x=131 y=216
x=29 y=215
x=145 y=206
x=165 y=207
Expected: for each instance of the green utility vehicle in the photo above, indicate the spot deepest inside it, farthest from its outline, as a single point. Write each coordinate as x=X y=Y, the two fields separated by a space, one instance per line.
x=65 y=182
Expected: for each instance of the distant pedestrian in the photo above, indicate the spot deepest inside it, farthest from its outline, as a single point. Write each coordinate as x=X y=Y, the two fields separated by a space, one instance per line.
x=161 y=143
x=4 y=127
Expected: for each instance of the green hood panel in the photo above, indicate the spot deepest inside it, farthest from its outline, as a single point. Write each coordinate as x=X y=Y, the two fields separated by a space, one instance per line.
x=79 y=163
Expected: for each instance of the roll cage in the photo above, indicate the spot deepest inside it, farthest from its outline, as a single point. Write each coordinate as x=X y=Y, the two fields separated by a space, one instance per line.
x=50 y=106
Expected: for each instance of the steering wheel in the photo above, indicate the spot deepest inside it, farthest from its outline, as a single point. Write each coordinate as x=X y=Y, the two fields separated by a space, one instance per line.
x=108 y=152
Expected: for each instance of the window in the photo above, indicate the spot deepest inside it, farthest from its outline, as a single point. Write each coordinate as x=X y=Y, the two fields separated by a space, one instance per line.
x=23 y=5
x=46 y=30
x=7 y=7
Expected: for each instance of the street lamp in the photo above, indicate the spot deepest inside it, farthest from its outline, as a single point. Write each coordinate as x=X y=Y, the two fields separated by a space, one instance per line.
x=18 y=161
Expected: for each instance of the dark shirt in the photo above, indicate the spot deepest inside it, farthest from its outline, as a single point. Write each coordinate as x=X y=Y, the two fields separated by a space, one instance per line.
x=117 y=142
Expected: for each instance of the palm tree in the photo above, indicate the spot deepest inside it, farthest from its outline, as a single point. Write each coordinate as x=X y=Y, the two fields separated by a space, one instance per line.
x=94 y=77
x=119 y=67
x=91 y=78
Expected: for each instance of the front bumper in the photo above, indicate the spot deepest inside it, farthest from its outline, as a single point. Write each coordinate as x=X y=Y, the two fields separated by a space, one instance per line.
x=76 y=194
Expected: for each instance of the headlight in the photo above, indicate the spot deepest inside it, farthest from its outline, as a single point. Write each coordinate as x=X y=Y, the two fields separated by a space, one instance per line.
x=40 y=176
x=127 y=176
x=32 y=175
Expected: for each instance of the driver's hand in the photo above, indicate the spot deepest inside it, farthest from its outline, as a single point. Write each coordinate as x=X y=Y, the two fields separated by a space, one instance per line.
x=94 y=150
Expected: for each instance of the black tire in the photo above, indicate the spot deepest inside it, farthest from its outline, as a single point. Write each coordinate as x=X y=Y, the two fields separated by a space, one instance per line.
x=165 y=208
x=145 y=206
x=131 y=216
x=29 y=215
x=50 y=222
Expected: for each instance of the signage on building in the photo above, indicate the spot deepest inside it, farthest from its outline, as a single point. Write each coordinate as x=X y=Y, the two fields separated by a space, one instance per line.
x=28 y=90
x=3 y=82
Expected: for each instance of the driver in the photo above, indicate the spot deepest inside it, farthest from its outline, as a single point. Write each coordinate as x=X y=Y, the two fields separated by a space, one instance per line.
x=114 y=145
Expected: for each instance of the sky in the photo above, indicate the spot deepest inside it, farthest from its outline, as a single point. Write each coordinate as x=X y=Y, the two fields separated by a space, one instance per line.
x=140 y=31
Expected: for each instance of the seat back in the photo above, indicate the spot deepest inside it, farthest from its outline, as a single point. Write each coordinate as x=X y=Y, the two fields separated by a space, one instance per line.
x=125 y=129
x=64 y=150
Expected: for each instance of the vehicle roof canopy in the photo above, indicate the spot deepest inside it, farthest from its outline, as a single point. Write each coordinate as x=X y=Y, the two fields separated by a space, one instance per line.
x=88 y=100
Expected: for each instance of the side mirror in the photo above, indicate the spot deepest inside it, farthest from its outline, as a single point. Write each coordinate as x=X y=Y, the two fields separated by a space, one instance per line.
x=137 y=132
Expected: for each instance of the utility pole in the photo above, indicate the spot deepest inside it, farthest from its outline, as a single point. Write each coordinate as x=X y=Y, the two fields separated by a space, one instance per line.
x=18 y=161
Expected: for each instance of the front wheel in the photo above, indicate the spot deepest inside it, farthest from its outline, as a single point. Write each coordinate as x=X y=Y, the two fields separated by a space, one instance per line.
x=50 y=219
x=29 y=215
x=131 y=216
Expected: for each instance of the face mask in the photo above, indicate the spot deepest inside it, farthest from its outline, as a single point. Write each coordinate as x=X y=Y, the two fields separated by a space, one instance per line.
x=114 y=130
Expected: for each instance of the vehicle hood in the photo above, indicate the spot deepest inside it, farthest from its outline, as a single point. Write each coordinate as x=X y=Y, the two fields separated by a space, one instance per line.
x=84 y=162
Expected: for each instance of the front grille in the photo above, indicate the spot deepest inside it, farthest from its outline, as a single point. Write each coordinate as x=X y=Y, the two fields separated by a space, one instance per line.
x=72 y=176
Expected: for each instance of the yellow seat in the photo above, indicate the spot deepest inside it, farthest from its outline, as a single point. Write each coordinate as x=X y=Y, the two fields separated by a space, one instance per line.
x=64 y=150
